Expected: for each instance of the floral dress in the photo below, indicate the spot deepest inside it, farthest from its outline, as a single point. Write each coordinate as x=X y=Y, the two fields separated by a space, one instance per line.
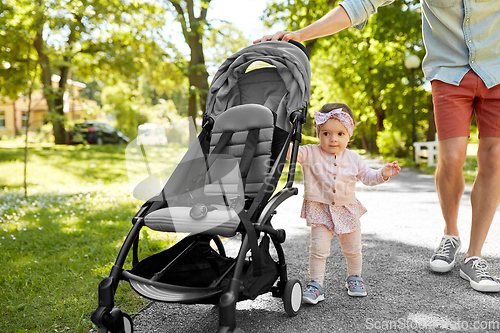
x=339 y=219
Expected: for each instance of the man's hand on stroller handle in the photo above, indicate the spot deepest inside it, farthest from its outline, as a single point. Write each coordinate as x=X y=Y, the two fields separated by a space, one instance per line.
x=280 y=35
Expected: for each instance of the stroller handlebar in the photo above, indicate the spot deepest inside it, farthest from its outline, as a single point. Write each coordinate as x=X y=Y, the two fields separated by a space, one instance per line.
x=300 y=46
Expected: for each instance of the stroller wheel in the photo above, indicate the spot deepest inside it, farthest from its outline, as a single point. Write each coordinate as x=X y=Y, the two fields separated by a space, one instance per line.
x=128 y=327
x=122 y=322
x=292 y=297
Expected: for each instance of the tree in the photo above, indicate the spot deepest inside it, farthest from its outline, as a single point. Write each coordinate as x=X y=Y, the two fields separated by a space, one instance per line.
x=15 y=53
x=60 y=32
x=193 y=26
x=298 y=14
x=221 y=42
x=124 y=103
x=106 y=42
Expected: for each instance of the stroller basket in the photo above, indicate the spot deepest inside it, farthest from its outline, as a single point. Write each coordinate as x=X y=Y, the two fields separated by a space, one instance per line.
x=192 y=272
x=224 y=186
x=163 y=292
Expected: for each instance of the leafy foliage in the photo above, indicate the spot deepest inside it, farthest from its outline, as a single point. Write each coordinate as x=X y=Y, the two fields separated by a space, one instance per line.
x=111 y=43
x=16 y=51
x=365 y=69
x=124 y=104
x=221 y=43
x=85 y=39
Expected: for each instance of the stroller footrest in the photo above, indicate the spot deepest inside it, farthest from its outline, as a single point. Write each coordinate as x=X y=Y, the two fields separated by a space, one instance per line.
x=169 y=293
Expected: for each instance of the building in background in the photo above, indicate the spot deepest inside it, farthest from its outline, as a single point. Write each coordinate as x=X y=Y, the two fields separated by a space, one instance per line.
x=14 y=114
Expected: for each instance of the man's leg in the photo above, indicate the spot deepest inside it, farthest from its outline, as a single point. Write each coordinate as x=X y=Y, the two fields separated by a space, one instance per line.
x=450 y=185
x=450 y=182
x=453 y=111
x=485 y=195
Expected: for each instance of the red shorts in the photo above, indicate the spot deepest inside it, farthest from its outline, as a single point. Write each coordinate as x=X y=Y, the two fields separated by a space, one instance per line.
x=454 y=107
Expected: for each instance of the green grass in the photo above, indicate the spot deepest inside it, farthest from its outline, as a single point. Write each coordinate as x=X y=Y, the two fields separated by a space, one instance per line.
x=61 y=241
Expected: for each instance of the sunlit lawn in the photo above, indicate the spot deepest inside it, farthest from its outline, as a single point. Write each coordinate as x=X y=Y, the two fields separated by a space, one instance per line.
x=57 y=244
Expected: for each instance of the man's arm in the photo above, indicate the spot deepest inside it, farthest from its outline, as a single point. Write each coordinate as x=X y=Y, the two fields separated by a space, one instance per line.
x=355 y=13
x=334 y=21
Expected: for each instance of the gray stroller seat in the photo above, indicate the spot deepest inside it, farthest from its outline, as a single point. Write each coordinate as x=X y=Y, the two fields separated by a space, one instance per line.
x=251 y=129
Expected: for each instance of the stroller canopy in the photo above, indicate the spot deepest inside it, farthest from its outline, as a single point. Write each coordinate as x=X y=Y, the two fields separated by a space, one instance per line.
x=283 y=87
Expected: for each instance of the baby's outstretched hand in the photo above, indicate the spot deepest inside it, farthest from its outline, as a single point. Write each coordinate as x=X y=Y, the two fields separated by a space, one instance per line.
x=390 y=170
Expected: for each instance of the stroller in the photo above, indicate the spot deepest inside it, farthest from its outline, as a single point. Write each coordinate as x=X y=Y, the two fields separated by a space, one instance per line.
x=224 y=186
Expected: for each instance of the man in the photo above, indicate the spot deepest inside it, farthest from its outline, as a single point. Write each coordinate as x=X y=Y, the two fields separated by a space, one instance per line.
x=462 y=41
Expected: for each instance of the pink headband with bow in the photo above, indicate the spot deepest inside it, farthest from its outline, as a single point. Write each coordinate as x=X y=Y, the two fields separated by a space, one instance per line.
x=344 y=118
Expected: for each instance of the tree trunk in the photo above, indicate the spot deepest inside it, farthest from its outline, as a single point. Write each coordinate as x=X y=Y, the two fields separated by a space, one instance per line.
x=380 y=114
x=53 y=96
x=431 y=131
x=192 y=109
x=198 y=76
x=193 y=34
x=363 y=141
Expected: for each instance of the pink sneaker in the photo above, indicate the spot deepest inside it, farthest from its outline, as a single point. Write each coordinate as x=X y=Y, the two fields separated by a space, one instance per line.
x=355 y=286
x=313 y=293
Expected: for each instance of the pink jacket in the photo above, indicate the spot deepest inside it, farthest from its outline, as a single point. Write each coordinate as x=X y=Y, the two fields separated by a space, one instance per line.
x=331 y=179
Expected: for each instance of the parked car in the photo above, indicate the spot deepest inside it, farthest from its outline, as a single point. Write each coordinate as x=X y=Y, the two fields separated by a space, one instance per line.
x=94 y=132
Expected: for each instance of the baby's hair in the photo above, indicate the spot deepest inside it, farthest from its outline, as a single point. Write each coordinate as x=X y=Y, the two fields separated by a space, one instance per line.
x=332 y=106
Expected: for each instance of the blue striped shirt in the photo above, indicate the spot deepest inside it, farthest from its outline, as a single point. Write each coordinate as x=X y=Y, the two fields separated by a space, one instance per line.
x=459 y=35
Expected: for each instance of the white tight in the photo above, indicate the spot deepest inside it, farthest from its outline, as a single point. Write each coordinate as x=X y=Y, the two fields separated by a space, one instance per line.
x=319 y=250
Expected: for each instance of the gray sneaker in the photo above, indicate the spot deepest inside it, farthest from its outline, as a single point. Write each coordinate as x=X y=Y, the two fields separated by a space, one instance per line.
x=444 y=258
x=355 y=286
x=313 y=293
x=475 y=269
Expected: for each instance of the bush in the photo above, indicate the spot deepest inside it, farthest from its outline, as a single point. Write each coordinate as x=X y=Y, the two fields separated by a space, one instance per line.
x=309 y=140
x=392 y=143
x=44 y=134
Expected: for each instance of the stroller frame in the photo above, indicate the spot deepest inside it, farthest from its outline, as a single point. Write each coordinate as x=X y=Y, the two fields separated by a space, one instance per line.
x=110 y=319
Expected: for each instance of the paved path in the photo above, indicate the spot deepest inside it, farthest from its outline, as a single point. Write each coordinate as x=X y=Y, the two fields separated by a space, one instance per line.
x=402 y=227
